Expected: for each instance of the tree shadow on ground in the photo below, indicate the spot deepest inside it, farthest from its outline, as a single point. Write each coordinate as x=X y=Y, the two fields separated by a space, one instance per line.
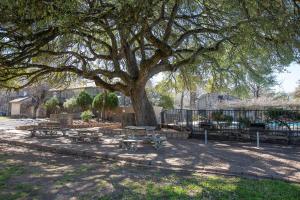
x=63 y=177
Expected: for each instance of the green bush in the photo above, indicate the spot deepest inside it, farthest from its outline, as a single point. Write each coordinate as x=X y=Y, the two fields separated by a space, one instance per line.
x=98 y=102
x=52 y=105
x=70 y=105
x=244 y=122
x=166 y=102
x=86 y=116
x=219 y=116
x=84 y=100
x=282 y=116
x=110 y=103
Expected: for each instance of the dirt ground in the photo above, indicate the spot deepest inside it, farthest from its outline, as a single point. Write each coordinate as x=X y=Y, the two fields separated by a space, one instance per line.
x=28 y=174
x=270 y=160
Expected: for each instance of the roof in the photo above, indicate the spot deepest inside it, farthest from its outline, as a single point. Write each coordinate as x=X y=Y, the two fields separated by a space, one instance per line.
x=18 y=100
x=262 y=102
x=215 y=94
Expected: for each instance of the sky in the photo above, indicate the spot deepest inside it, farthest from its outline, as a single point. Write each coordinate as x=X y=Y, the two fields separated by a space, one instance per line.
x=287 y=80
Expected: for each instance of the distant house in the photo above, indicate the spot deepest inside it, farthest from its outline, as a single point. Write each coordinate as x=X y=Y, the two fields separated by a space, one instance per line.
x=6 y=97
x=72 y=91
x=22 y=107
x=213 y=100
x=19 y=106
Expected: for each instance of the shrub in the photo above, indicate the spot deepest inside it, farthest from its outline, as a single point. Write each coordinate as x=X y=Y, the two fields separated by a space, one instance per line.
x=86 y=116
x=166 y=102
x=52 y=105
x=70 y=105
x=282 y=116
x=244 y=122
x=279 y=114
x=219 y=116
x=98 y=102
x=84 y=100
x=110 y=103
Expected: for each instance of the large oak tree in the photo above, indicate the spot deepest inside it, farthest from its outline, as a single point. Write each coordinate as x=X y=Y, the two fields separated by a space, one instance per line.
x=121 y=44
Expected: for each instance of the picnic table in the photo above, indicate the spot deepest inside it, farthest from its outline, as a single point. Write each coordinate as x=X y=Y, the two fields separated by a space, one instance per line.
x=47 y=129
x=133 y=130
x=131 y=143
x=85 y=135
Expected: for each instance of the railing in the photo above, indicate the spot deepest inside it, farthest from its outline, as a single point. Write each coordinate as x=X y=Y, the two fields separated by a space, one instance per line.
x=273 y=121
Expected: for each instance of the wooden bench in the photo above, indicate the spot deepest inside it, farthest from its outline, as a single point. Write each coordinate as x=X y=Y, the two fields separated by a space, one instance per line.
x=131 y=144
x=47 y=131
x=85 y=138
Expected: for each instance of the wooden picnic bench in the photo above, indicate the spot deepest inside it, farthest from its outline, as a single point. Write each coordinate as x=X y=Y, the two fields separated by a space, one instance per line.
x=47 y=131
x=132 y=143
x=85 y=135
x=85 y=138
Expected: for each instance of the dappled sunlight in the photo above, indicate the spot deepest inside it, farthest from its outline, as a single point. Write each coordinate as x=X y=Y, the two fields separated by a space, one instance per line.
x=63 y=177
x=226 y=157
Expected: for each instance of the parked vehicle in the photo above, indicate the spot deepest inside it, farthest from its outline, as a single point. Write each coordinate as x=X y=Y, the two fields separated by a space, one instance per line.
x=2 y=113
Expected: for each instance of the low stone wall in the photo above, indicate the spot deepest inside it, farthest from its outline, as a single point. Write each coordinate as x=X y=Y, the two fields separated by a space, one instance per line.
x=63 y=118
x=75 y=126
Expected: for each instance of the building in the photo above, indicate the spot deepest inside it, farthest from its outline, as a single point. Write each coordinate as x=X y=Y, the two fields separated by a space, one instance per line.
x=6 y=97
x=213 y=100
x=65 y=93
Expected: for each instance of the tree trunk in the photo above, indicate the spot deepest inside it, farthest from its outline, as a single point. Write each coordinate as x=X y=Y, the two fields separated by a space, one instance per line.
x=181 y=100
x=104 y=106
x=193 y=96
x=35 y=109
x=144 y=112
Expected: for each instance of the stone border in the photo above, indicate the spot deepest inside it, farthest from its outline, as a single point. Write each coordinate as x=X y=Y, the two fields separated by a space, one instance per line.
x=144 y=163
x=74 y=126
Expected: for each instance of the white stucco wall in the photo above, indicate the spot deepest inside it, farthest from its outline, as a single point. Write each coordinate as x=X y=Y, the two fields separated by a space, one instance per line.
x=15 y=109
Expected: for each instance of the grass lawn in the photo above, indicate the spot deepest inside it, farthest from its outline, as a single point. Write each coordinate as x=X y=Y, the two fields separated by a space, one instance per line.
x=26 y=174
x=3 y=117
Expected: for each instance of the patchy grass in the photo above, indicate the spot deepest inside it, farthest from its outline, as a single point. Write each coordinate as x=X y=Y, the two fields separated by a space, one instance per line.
x=63 y=177
x=10 y=191
x=3 y=118
x=73 y=174
x=197 y=187
x=8 y=172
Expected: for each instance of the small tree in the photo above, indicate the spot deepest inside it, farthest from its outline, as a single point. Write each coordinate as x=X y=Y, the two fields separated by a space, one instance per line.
x=70 y=105
x=112 y=101
x=98 y=104
x=52 y=105
x=84 y=100
x=105 y=102
x=166 y=102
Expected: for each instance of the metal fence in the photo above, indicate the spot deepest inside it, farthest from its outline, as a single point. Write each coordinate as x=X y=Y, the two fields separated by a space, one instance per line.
x=272 y=121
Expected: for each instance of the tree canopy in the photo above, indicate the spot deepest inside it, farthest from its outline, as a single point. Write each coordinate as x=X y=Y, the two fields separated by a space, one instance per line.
x=121 y=44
